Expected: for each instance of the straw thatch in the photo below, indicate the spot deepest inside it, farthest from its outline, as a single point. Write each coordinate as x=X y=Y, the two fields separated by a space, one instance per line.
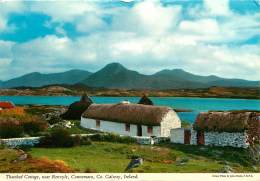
x=145 y=100
x=127 y=113
x=225 y=121
x=76 y=109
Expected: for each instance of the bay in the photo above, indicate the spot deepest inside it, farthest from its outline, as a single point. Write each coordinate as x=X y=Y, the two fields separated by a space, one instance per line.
x=187 y=103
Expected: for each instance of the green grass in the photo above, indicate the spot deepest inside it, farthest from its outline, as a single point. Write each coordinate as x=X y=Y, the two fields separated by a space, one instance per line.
x=114 y=157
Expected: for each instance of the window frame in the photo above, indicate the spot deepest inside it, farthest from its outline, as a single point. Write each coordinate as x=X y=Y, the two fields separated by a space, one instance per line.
x=150 y=130
x=98 y=123
x=127 y=127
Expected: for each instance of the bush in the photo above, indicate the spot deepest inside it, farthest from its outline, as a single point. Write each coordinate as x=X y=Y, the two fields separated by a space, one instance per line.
x=110 y=137
x=13 y=125
x=60 y=137
x=34 y=126
x=10 y=128
x=85 y=141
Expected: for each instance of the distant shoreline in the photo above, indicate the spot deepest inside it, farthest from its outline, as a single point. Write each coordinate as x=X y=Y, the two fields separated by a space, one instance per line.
x=66 y=90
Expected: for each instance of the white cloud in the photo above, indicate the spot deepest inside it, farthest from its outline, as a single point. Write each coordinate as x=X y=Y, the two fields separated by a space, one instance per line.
x=217 y=7
x=5 y=9
x=90 y=22
x=148 y=37
x=147 y=17
x=64 y=11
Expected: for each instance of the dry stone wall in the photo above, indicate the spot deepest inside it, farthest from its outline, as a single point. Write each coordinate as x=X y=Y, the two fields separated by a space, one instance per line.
x=238 y=139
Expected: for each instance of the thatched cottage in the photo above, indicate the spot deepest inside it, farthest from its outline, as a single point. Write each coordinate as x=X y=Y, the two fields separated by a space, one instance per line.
x=131 y=119
x=236 y=129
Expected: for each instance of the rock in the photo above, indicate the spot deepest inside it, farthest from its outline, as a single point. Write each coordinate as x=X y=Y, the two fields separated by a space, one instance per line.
x=226 y=169
x=181 y=161
x=134 y=163
x=22 y=157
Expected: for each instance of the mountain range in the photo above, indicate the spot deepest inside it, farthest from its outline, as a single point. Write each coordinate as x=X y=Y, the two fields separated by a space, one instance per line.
x=115 y=75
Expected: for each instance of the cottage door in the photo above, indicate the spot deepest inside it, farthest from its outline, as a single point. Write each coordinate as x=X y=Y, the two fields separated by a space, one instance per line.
x=200 y=138
x=187 y=136
x=139 y=130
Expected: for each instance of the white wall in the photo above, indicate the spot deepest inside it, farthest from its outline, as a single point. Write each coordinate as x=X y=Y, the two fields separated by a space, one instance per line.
x=170 y=121
x=107 y=126
x=156 y=131
x=118 y=128
x=177 y=135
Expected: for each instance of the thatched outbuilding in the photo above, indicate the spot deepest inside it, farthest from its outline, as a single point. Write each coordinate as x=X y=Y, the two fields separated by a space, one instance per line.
x=225 y=121
x=236 y=129
x=145 y=100
x=131 y=119
x=76 y=109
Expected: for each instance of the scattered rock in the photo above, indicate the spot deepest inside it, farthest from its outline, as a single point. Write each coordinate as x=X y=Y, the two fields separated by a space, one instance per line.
x=134 y=163
x=22 y=157
x=181 y=161
x=226 y=169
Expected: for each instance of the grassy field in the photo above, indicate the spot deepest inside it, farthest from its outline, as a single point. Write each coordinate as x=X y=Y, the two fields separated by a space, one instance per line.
x=114 y=157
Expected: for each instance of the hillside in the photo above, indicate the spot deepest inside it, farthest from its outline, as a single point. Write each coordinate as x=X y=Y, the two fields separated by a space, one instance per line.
x=116 y=76
x=37 y=79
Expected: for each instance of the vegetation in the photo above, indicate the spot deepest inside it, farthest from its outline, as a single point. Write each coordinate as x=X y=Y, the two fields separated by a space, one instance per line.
x=16 y=125
x=114 y=157
x=30 y=165
x=77 y=90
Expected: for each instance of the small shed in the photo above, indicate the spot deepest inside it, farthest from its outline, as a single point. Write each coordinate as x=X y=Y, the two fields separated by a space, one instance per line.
x=76 y=109
x=145 y=100
x=236 y=129
x=131 y=119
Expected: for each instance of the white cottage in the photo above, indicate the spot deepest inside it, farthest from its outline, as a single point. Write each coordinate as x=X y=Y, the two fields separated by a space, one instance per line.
x=131 y=119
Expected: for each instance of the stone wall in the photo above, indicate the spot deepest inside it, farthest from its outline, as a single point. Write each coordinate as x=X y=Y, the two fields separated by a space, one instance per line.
x=193 y=138
x=226 y=139
x=236 y=139
x=14 y=142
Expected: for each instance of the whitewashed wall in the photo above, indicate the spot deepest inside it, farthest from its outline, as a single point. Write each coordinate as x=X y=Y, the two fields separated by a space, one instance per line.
x=156 y=131
x=170 y=121
x=177 y=135
x=14 y=142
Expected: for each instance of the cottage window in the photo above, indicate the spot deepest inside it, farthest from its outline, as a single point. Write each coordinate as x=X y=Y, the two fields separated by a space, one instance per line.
x=150 y=130
x=127 y=127
x=97 y=123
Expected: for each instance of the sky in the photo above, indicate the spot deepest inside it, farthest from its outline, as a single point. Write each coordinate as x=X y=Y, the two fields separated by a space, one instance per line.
x=206 y=37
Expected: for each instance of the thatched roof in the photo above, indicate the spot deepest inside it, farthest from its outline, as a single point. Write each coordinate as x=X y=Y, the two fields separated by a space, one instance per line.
x=127 y=113
x=76 y=109
x=225 y=121
x=145 y=100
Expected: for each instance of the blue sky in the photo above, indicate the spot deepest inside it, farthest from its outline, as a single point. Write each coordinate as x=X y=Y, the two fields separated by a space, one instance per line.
x=201 y=36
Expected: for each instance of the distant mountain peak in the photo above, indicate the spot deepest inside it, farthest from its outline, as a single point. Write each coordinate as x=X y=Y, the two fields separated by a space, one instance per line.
x=115 y=65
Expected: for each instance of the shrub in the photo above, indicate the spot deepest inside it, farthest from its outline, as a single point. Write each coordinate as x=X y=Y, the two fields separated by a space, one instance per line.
x=110 y=137
x=34 y=126
x=58 y=137
x=13 y=125
x=10 y=128
x=85 y=141
x=44 y=165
